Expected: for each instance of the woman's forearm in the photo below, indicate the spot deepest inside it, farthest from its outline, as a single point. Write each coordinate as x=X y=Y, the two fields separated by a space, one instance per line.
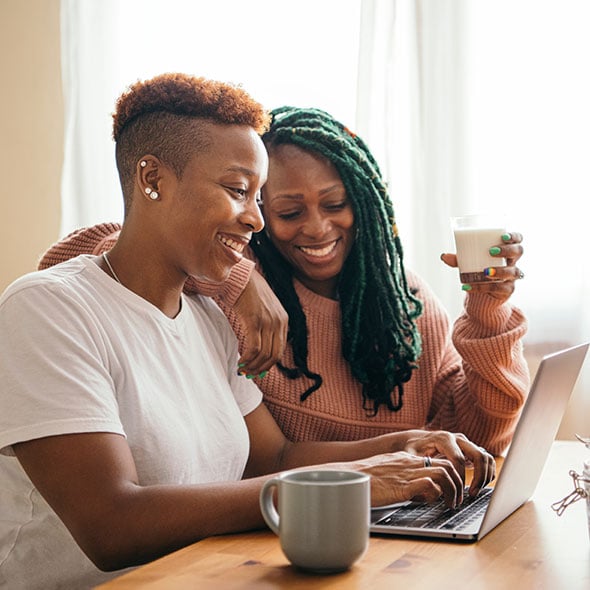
x=314 y=452
x=148 y=522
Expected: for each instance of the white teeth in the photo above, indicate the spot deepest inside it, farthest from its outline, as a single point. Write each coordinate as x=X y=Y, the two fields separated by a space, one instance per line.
x=237 y=246
x=320 y=252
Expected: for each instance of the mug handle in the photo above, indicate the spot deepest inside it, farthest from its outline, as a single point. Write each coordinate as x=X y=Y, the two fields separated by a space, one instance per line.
x=267 y=507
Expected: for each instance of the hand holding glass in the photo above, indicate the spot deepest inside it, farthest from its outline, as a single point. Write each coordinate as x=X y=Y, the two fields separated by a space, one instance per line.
x=474 y=236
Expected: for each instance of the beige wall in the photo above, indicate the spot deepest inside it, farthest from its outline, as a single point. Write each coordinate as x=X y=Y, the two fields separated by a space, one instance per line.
x=31 y=133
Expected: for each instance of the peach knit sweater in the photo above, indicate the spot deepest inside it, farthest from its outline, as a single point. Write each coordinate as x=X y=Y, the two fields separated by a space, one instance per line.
x=472 y=377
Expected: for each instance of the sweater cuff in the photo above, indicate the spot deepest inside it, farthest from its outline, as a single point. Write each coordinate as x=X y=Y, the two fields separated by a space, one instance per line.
x=489 y=316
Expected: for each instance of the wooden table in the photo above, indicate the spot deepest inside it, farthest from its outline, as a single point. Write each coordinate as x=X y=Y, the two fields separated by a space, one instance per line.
x=534 y=548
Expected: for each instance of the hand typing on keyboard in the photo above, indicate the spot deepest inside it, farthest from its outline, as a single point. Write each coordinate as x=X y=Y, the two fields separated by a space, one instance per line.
x=431 y=467
x=458 y=450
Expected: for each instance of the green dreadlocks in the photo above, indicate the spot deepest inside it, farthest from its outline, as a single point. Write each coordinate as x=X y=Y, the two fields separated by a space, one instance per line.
x=380 y=339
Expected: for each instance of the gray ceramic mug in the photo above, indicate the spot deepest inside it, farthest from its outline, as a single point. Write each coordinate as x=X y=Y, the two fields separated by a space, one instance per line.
x=323 y=517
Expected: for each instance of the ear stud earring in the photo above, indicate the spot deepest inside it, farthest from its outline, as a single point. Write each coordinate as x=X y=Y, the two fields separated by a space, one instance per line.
x=152 y=194
x=143 y=163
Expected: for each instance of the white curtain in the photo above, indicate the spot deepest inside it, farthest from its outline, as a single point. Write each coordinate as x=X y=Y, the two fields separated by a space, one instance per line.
x=302 y=53
x=411 y=112
x=468 y=105
x=475 y=105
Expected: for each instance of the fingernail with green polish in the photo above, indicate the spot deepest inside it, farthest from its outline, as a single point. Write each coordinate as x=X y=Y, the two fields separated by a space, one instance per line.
x=466 y=287
x=240 y=365
x=249 y=376
x=262 y=375
x=506 y=237
x=495 y=250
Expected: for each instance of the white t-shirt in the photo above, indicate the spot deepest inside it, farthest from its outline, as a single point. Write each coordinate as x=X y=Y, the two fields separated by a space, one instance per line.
x=81 y=353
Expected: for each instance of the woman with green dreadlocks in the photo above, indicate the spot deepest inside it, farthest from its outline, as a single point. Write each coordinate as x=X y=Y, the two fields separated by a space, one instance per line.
x=370 y=348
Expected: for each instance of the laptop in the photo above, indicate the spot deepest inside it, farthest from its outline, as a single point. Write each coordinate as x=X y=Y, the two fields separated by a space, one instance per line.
x=536 y=429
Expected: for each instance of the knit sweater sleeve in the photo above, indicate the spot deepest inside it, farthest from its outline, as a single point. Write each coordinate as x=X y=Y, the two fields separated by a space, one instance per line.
x=100 y=238
x=227 y=293
x=86 y=240
x=482 y=377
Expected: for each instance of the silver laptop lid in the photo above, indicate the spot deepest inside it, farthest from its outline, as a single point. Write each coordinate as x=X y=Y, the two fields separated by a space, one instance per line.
x=535 y=433
x=526 y=457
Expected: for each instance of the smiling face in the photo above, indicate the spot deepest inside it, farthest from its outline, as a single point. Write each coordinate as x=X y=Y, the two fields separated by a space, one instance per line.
x=308 y=216
x=213 y=212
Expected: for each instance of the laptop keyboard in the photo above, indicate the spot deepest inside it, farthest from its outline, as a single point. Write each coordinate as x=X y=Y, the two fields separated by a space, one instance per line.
x=438 y=515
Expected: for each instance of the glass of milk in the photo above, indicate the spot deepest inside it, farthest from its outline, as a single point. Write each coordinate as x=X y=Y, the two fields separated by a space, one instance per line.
x=474 y=236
